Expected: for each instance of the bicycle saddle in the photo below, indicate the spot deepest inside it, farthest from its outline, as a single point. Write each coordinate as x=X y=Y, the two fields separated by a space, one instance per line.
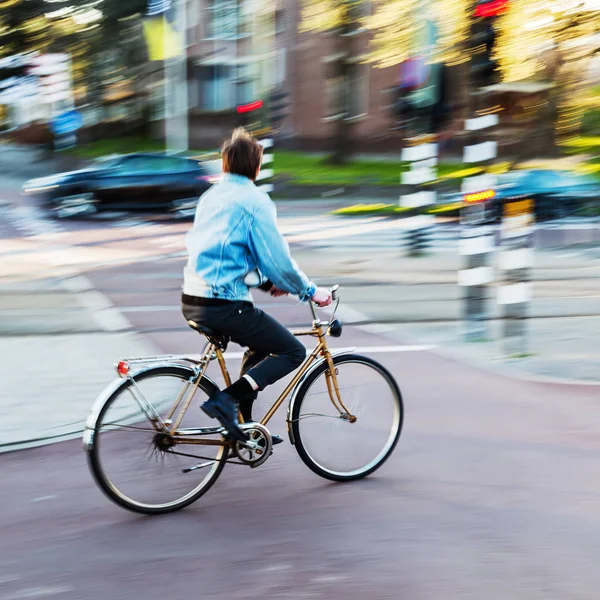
x=214 y=337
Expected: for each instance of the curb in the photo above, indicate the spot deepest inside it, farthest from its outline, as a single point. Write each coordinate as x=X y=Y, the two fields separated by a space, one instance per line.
x=441 y=352
x=39 y=442
x=505 y=371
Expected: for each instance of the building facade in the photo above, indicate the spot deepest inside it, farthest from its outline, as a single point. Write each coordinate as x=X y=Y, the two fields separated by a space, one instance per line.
x=239 y=50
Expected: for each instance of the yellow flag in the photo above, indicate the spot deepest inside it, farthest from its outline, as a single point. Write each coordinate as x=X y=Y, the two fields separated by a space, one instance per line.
x=163 y=40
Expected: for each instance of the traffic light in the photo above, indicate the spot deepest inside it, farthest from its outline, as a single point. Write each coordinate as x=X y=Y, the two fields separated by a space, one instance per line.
x=278 y=105
x=248 y=113
x=484 y=68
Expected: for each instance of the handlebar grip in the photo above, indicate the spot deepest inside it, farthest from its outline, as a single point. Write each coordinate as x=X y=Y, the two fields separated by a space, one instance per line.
x=334 y=291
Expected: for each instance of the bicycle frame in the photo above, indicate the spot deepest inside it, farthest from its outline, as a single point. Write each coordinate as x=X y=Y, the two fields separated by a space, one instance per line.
x=171 y=423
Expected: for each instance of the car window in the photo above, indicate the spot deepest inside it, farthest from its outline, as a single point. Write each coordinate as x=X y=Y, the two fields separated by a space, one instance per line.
x=139 y=165
x=555 y=179
x=173 y=164
x=130 y=165
x=107 y=162
x=150 y=165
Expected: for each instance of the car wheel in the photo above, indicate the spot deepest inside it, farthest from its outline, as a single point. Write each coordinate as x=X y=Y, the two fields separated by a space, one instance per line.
x=75 y=205
x=184 y=208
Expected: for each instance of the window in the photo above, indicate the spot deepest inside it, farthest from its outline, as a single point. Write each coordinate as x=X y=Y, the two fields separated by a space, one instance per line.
x=193 y=21
x=225 y=21
x=280 y=66
x=280 y=22
x=348 y=96
x=173 y=164
x=137 y=165
x=217 y=87
x=358 y=90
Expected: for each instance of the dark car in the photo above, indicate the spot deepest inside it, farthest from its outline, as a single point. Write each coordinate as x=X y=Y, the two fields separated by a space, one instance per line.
x=556 y=194
x=129 y=182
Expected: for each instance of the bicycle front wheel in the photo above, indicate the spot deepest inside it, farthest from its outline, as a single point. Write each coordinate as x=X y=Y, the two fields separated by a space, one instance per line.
x=135 y=463
x=330 y=443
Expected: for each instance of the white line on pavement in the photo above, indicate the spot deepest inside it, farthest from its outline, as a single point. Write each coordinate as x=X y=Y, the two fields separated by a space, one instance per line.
x=358 y=349
x=105 y=313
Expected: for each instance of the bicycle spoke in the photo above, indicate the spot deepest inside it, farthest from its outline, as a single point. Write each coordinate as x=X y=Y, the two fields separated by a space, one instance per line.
x=348 y=445
x=307 y=415
x=139 y=462
x=119 y=426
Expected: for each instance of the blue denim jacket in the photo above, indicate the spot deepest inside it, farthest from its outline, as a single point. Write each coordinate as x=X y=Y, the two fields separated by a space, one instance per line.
x=235 y=234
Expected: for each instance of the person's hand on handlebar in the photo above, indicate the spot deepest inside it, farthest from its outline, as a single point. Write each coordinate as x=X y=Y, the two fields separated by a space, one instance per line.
x=322 y=297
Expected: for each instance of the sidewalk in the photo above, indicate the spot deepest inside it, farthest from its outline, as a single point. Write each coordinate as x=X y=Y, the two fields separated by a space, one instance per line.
x=58 y=342
x=417 y=300
x=59 y=337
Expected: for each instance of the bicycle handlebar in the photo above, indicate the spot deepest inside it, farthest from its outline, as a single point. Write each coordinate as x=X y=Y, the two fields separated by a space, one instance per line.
x=334 y=297
x=334 y=291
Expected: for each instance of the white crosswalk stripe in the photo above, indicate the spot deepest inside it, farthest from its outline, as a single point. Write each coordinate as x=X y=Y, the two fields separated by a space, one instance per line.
x=360 y=232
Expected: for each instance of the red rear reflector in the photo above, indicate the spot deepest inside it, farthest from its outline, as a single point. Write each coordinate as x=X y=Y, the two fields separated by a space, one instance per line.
x=123 y=368
x=479 y=197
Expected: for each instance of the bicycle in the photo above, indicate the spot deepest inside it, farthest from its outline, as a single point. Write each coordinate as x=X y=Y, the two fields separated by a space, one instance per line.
x=139 y=407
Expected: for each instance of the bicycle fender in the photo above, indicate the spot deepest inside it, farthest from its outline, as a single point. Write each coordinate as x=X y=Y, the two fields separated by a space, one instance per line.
x=313 y=368
x=90 y=423
x=107 y=392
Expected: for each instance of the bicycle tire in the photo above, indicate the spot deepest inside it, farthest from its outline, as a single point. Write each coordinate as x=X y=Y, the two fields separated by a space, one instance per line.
x=103 y=481
x=295 y=415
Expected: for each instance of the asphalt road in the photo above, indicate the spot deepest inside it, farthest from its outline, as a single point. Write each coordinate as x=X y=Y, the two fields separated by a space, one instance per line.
x=491 y=493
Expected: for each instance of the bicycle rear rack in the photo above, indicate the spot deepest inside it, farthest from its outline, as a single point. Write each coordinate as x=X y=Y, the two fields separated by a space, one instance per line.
x=191 y=358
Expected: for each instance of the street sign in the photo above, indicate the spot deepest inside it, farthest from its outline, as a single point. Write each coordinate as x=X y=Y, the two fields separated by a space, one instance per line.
x=67 y=122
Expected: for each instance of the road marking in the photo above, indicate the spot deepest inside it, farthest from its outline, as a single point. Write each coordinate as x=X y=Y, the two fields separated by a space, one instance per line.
x=358 y=349
x=42 y=592
x=106 y=315
x=329 y=578
x=10 y=578
x=277 y=568
x=43 y=499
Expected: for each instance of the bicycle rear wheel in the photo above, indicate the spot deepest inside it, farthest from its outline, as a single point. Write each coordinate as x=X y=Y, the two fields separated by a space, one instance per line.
x=331 y=445
x=138 y=466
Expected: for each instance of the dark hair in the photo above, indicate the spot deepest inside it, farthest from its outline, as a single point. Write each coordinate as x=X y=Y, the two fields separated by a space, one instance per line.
x=242 y=154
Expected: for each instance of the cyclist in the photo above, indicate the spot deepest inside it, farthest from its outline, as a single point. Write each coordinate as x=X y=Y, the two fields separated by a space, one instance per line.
x=234 y=235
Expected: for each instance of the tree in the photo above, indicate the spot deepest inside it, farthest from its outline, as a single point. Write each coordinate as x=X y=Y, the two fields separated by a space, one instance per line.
x=397 y=30
x=101 y=38
x=548 y=40
x=342 y=18
x=402 y=28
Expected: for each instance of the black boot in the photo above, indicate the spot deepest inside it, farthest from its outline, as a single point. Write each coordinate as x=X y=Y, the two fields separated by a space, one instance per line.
x=223 y=407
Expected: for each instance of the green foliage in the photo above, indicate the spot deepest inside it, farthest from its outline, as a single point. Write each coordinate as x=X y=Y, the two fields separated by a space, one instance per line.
x=591 y=123
x=124 y=145
x=307 y=169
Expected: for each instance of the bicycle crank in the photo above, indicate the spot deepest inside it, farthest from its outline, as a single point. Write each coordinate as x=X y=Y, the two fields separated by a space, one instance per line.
x=258 y=447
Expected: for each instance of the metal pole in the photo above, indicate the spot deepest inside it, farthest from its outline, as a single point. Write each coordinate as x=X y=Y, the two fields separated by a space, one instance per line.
x=215 y=34
x=176 y=100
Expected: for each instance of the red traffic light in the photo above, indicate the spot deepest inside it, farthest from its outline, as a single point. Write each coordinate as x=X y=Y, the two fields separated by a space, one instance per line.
x=492 y=9
x=246 y=108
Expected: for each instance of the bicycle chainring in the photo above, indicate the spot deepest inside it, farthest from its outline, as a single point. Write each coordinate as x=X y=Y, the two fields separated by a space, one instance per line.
x=259 y=447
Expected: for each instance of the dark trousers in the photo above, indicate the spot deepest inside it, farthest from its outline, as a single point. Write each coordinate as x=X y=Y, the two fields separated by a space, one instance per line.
x=273 y=351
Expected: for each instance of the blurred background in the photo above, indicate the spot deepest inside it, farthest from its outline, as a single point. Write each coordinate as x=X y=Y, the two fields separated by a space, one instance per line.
x=439 y=159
